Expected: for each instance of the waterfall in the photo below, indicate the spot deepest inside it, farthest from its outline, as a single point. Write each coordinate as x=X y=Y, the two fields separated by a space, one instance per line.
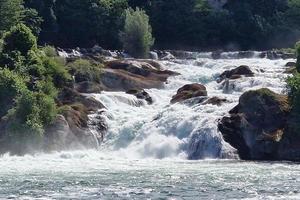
x=184 y=130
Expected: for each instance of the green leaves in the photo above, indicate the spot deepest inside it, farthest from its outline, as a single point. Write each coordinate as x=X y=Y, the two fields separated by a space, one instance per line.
x=137 y=36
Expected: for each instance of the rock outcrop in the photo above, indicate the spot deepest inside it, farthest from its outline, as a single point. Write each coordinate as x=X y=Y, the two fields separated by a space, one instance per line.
x=123 y=75
x=257 y=124
x=236 y=73
x=71 y=129
x=189 y=91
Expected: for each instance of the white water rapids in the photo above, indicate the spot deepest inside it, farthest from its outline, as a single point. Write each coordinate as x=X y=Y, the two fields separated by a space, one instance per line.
x=146 y=150
x=162 y=130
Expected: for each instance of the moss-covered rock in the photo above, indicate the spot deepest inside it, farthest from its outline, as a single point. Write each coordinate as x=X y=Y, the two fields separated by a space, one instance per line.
x=257 y=124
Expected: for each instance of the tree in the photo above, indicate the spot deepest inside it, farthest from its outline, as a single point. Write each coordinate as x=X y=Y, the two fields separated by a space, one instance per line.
x=137 y=36
x=19 y=38
x=10 y=14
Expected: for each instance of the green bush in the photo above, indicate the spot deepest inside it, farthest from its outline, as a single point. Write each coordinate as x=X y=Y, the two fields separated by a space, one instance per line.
x=19 y=38
x=57 y=71
x=49 y=51
x=11 y=85
x=137 y=36
x=84 y=70
x=10 y=13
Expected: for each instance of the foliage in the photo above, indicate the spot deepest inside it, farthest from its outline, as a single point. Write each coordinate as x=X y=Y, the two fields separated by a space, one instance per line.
x=49 y=51
x=137 y=36
x=297 y=47
x=85 y=70
x=32 y=20
x=10 y=14
x=19 y=38
x=56 y=71
x=11 y=84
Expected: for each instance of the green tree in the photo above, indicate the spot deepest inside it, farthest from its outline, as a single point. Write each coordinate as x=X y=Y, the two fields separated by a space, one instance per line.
x=19 y=38
x=137 y=36
x=11 y=85
x=10 y=14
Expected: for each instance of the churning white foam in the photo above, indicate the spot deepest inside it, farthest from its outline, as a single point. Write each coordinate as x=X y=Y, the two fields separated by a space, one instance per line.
x=163 y=130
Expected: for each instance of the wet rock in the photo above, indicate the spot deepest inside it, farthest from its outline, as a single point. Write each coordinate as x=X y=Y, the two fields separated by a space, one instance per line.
x=215 y=101
x=256 y=125
x=189 y=91
x=236 y=73
x=68 y=96
x=141 y=94
x=123 y=75
x=290 y=70
x=290 y=64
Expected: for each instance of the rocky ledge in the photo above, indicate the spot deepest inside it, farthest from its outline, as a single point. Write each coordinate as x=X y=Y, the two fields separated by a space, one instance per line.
x=258 y=127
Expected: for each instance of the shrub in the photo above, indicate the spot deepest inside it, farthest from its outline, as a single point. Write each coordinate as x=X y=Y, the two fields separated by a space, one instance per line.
x=84 y=70
x=19 y=38
x=297 y=47
x=49 y=51
x=57 y=71
x=137 y=37
x=11 y=85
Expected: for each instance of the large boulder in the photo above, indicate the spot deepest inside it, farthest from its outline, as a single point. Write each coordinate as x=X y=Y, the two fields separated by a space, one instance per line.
x=256 y=125
x=189 y=91
x=236 y=73
x=123 y=75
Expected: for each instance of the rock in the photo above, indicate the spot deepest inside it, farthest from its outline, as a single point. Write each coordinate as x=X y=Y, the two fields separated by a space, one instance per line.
x=58 y=135
x=215 y=101
x=68 y=96
x=189 y=91
x=290 y=70
x=88 y=87
x=290 y=64
x=141 y=94
x=256 y=125
x=236 y=73
x=123 y=75
x=153 y=55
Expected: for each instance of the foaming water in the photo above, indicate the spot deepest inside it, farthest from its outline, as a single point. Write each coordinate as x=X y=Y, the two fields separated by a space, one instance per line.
x=93 y=175
x=146 y=152
x=188 y=130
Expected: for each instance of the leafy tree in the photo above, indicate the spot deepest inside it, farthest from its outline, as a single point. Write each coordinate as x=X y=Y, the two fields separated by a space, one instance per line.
x=19 y=38
x=137 y=36
x=10 y=14
x=32 y=20
x=11 y=85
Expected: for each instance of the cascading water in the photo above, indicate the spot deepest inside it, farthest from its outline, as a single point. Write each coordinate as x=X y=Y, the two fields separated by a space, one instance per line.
x=146 y=150
x=163 y=130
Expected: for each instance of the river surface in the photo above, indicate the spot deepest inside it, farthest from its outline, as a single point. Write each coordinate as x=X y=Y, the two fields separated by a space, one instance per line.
x=146 y=153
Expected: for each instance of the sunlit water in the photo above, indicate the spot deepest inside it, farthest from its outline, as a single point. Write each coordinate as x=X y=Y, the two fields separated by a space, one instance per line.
x=145 y=153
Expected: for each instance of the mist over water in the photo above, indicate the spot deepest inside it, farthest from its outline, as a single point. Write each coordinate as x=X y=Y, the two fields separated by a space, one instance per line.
x=145 y=154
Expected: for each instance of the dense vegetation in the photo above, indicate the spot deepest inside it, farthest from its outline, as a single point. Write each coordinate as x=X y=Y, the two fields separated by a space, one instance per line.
x=190 y=24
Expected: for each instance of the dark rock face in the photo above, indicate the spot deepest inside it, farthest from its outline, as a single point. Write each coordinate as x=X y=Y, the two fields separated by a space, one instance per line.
x=256 y=125
x=123 y=75
x=236 y=73
x=141 y=94
x=189 y=91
